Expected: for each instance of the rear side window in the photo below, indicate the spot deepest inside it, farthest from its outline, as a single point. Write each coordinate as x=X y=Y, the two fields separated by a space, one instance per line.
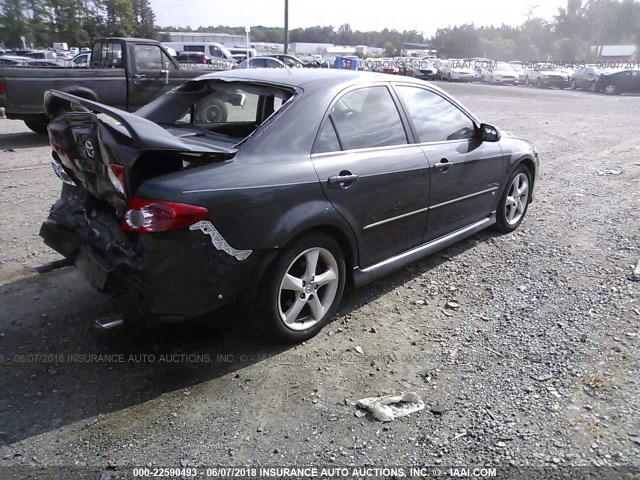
x=107 y=55
x=327 y=140
x=434 y=118
x=366 y=118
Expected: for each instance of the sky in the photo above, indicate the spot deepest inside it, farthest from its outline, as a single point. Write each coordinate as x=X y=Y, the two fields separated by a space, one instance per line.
x=421 y=15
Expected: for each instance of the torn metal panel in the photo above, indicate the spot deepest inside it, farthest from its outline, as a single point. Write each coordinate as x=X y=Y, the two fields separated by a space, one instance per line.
x=218 y=241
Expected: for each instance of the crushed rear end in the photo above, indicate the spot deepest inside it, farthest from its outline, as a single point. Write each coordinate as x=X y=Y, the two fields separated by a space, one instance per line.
x=144 y=248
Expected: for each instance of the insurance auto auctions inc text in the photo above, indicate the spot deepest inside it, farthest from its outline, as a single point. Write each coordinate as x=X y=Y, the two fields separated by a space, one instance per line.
x=371 y=472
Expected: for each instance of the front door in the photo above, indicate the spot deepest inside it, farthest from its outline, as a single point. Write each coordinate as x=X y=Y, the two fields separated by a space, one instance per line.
x=371 y=174
x=465 y=171
x=150 y=64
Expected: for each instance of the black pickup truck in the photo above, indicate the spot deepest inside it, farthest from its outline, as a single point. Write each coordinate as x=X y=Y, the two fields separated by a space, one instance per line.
x=126 y=73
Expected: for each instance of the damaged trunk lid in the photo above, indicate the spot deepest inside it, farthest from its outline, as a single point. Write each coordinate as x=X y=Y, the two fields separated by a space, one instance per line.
x=110 y=152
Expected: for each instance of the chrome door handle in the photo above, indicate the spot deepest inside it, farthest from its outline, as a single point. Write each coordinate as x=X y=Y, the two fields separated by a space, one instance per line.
x=345 y=179
x=139 y=75
x=443 y=165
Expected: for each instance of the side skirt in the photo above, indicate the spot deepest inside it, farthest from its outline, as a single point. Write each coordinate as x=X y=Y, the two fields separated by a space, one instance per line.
x=369 y=274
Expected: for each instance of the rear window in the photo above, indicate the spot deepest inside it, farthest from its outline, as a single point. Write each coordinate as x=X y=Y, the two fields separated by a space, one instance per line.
x=233 y=109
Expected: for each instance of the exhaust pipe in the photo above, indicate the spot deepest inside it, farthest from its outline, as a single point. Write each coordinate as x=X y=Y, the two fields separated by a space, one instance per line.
x=51 y=266
x=109 y=323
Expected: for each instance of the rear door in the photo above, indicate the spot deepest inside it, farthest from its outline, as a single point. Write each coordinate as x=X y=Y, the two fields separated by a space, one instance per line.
x=371 y=173
x=465 y=171
x=149 y=74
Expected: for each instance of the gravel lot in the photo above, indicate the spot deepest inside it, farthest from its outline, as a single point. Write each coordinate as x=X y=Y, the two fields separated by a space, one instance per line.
x=525 y=347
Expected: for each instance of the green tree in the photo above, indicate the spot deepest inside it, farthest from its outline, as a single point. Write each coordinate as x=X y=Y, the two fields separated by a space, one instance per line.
x=119 y=18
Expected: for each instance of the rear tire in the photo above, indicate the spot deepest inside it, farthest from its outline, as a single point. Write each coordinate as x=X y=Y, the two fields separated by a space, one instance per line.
x=514 y=203
x=573 y=84
x=38 y=125
x=610 y=89
x=296 y=300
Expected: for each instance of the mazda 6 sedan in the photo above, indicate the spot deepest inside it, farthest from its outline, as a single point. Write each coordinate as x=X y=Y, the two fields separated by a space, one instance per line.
x=315 y=181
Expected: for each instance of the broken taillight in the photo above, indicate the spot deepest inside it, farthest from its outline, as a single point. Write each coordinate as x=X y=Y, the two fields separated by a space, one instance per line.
x=159 y=216
x=116 y=175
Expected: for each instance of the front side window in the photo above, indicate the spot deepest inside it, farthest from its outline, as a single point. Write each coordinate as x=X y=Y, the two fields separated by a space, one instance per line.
x=151 y=57
x=435 y=119
x=366 y=118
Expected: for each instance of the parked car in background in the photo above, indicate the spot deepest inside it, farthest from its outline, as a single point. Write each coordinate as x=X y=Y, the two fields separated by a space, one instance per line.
x=210 y=49
x=22 y=53
x=426 y=67
x=585 y=77
x=261 y=62
x=616 y=82
x=39 y=63
x=545 y=76
x=193 y=57
x=386 y=65
x=500 y=72
x=74 y=51
x=12 y=60
x=518 y=67
x=80 y=60
x=85 y=49
x=322 y=179
x=290 y=61
x=457 y=70
x=241 y=51
x=42 y=55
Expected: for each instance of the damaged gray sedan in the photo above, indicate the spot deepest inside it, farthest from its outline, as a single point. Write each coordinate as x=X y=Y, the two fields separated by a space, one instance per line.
x=312 y=181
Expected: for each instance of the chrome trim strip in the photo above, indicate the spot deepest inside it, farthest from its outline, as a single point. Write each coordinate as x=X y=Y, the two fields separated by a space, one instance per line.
x=382 y=222
x=248 y=187
x=386 y=147
x=463 y=198
x=428 y=245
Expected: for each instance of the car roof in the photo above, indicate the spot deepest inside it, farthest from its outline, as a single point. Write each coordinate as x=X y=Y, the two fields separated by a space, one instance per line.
x=308 y=78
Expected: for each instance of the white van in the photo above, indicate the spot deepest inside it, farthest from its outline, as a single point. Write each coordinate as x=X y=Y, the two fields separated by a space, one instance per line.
x=210 y=49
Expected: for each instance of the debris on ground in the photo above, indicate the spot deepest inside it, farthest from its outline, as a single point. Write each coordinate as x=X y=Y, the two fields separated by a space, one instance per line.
x=390 y=407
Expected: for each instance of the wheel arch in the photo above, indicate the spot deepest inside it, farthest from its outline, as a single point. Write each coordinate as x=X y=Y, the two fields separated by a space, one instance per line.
x=340 y=233
x=528 y=162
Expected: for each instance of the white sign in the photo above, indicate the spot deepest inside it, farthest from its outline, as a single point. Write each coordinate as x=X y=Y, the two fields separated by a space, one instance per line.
x=247 y=29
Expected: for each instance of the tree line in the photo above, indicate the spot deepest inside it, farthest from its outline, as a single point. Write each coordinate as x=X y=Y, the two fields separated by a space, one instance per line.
x=568 y=36
x=76 y=22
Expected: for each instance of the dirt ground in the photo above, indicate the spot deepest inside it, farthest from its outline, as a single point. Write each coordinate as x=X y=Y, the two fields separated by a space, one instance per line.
x=536 y=361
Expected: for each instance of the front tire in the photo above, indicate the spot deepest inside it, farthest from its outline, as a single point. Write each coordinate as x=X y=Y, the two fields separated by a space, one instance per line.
x=302 y=289
x=592 y=87
x=573 y=84
x=515 y=200
x=610 y=89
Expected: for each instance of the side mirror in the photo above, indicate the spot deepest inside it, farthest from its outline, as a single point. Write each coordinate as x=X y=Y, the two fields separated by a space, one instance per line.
x=489 y=133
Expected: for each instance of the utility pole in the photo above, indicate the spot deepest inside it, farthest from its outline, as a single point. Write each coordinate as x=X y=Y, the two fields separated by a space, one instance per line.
x=286 y=26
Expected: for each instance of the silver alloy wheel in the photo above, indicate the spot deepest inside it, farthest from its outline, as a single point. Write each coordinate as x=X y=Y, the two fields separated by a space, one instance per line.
x=308 y=288
x=517 y=199
x=610 y=89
